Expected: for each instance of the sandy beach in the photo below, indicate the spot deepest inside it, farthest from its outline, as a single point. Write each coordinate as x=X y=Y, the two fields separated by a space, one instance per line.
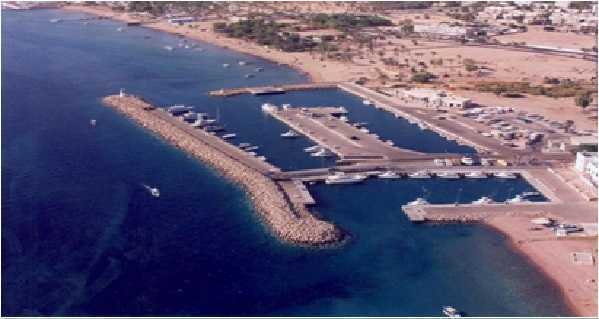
x=578 y=282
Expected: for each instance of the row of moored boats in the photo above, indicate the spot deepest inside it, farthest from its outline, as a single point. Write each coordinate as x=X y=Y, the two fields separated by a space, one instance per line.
x=210 y=125
x=520 y=198
x=447 y=175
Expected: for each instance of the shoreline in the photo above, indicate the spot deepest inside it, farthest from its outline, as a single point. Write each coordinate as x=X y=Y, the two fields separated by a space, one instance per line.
x=526 y=252
x=537 y=258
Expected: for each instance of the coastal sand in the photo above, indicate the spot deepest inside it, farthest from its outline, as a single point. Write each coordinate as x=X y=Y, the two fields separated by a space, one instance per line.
x=551 y=256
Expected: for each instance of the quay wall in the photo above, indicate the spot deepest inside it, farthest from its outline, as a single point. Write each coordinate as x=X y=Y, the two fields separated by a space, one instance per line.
x=290 y=222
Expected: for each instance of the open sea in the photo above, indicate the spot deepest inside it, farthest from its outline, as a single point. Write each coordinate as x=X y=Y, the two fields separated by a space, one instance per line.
x=81 y=236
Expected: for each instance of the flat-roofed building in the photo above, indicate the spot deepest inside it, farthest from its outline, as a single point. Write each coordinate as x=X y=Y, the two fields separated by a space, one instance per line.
x=436 y=98
x=586 y=164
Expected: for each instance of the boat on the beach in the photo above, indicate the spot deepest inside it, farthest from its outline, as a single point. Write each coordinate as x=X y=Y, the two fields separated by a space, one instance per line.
x=476 y=174
x=153 y=190
x=290 y=134
x=322 y=153
x=367 y=102
x=419 y=175
x=448 y=175
x=342 y=178
x=389 y=175
x=483 y=200
x=505 y=175
x=418 y=201
x=451 y=312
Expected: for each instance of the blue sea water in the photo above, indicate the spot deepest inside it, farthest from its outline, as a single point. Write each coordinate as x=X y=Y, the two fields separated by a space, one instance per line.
x=81 y=236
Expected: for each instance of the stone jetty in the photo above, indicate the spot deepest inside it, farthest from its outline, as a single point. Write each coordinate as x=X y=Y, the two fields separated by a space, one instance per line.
x=290 y=222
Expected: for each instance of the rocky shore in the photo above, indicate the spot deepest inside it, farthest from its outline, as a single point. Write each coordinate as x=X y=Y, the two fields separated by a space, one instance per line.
x=290 y=223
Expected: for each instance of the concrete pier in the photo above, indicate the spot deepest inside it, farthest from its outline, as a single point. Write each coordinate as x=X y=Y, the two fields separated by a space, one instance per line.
x=273 y=89
x=342 y=138
x=290 y=221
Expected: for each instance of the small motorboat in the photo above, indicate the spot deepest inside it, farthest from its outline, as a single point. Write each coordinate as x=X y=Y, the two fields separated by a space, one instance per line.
x=92 y=122
x=322 y=153
x=448 y=175
x=226 y=65
x=476 y=174
x=230 y=135
x=505 y=175
x=367 y=102
x=153 y=190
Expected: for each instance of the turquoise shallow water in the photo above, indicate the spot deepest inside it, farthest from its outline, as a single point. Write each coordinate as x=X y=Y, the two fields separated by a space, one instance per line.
x=80 y=236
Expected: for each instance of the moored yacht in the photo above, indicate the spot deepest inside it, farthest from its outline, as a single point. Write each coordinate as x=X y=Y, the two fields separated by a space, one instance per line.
x=290 y=134
x=389 y=175
x=168 y=48
x=505 y=175
x=483 y=200
x=342 y=178
x=229 y=135
x=448 y=175
x=419 y=174
x=367 y=102
x=517 y=199
x=323 y=152
x=476 y=174
x=418 y=201
x=311 y=149
x=531 y=194
x=467 y=161
x=226 y=65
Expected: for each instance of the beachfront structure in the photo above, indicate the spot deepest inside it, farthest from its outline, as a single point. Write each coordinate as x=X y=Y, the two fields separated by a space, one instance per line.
x=586 y=164
x=444 y=30
x=435 y=98
x=181 y=20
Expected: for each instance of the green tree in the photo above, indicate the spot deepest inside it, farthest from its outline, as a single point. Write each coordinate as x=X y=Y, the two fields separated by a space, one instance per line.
x=583 y=100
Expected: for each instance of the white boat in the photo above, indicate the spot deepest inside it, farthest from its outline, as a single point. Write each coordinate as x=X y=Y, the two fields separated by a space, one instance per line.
x=286 y=106
x=267 y=107
x=92 y=122
x=242 y=63
x=230 y=135
x=389 y=142
x=342 y=178
x=451 y=312
x=119 y=29
x=311 y=149
x=467 y=161
x=483 y=200
x=367 y=102
x=505 y=175
x=531 y=194
x=343 y=118
x=153 y=190
x=261 y=157
x=517 y=199
x=365 y=130
x=55 y=20
x=251 y=148
x=226 y=65
x=418 y=201
x=259 y=69
x=476 y=174
x=290 y=134
x=253 y=153
x=448 y=175
x=389 y=175
x=419 y=174
x=322 y=153
x=249 y=75
x=244 y=145
x=168 y=48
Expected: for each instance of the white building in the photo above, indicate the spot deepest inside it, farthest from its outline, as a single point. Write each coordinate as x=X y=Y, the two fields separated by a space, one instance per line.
x=435 y=98
x=586 y=164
